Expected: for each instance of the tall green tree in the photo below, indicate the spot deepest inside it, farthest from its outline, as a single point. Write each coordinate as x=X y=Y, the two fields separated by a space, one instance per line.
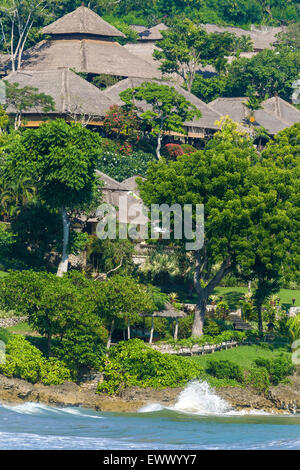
x=122 y=300
x=186 y=46
x=61 y=159
x=54 y=306
x=19 y=100
x=168 y=109
x=240 y=210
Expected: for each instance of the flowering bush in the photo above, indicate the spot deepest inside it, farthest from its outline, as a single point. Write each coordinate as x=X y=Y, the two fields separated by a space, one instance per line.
x=120 y=122
x=172 y=151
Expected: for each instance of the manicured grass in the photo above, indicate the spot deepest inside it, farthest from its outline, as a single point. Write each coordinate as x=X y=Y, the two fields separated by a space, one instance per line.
x=232 y=295
x=242 y=355
x=21 y=328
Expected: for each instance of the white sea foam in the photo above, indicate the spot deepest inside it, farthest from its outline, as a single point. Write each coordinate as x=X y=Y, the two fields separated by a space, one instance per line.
x=31 y=408
x=200 y=399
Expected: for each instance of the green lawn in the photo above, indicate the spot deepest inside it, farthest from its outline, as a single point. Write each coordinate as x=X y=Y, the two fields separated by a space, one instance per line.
x=21 y=328
x=232 y=296
x=241 y=355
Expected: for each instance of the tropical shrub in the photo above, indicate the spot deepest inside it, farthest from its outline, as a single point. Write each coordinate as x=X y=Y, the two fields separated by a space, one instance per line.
x=211 y=328
x=188 y=149
x=121 y=122
x=134 y=363
x=172 y=151
x=121 y=167
x=7 y=240
x=4 y=335
x=81 y=349
x=224 y=369
x=54 y=372
x=278 y=368
x=25 y=361
x=258 y=378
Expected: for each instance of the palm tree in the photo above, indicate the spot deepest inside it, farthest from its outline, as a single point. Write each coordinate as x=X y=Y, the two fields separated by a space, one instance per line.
x=15 y=194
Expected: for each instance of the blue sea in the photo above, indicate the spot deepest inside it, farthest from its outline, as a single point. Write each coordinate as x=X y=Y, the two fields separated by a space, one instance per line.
x=199 y=420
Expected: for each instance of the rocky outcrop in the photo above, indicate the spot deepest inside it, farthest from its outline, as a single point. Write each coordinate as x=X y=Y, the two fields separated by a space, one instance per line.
x=280 y=399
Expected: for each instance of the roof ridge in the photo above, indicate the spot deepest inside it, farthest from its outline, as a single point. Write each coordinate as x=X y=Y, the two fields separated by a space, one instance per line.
x=82 y=20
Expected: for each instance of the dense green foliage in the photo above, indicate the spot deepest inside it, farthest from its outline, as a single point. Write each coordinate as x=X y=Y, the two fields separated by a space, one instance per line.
x=150 y=12
x=121 y=167
x=26 y=362
x=278 y=368
x=134 y=363
x=225 y=370
x=166 y=111
x=248 y=205
x=259 y=379
x=269 y=72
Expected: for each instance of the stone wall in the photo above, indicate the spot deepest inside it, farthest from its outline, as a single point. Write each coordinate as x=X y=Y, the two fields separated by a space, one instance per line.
x=7 y=322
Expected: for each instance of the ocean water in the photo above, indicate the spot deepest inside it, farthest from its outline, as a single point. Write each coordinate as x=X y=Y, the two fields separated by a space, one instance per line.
x=199 y=420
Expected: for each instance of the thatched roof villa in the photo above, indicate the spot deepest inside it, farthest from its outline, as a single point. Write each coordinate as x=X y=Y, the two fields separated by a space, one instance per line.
x=195 y=129
x=112 y=191
x=275 y=115
x=84 y=42
x=75 y=98
x=262 y=37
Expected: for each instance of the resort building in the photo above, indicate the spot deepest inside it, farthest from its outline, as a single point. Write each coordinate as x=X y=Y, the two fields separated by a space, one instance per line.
x=84 y=42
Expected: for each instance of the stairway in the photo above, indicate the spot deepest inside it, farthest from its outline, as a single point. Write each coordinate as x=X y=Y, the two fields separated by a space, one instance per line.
x=238 y=323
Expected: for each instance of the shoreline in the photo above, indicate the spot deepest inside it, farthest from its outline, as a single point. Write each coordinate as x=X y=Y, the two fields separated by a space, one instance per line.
x=280 y=400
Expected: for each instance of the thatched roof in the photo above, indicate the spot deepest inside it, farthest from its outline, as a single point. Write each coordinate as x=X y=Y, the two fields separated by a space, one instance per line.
x=263 y=38
x=89 y=56
x=144 y=50
x=82 y=21
x=71 y=93
x=209 y=115
x=266 y=117
x=153 y=34
x=149 y=34
x=131 y=184
x=113 y=190
x=282 y=110
x=168 y=312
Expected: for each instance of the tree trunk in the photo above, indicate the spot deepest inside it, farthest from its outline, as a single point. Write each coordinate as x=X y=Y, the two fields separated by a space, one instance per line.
x=200 y=312
x=49 y=344
x=159 y=139
x=259 y=315
x=63 y=265
x=112 y=327
x=205 y=292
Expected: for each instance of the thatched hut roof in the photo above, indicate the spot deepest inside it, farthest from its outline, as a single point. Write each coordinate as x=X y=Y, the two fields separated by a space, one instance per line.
x=82 y=21
x=131 y=184
x=112 y=190
x=209 y=116
x=71 y=93
x=88 y=56
x=152 y=34
x=263 y=38
x=83 y=41
x=168 y=312
x=274 y=121
x=282 y=110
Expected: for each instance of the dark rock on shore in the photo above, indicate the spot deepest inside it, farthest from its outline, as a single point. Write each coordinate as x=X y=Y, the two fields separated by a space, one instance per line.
x=280 y=399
